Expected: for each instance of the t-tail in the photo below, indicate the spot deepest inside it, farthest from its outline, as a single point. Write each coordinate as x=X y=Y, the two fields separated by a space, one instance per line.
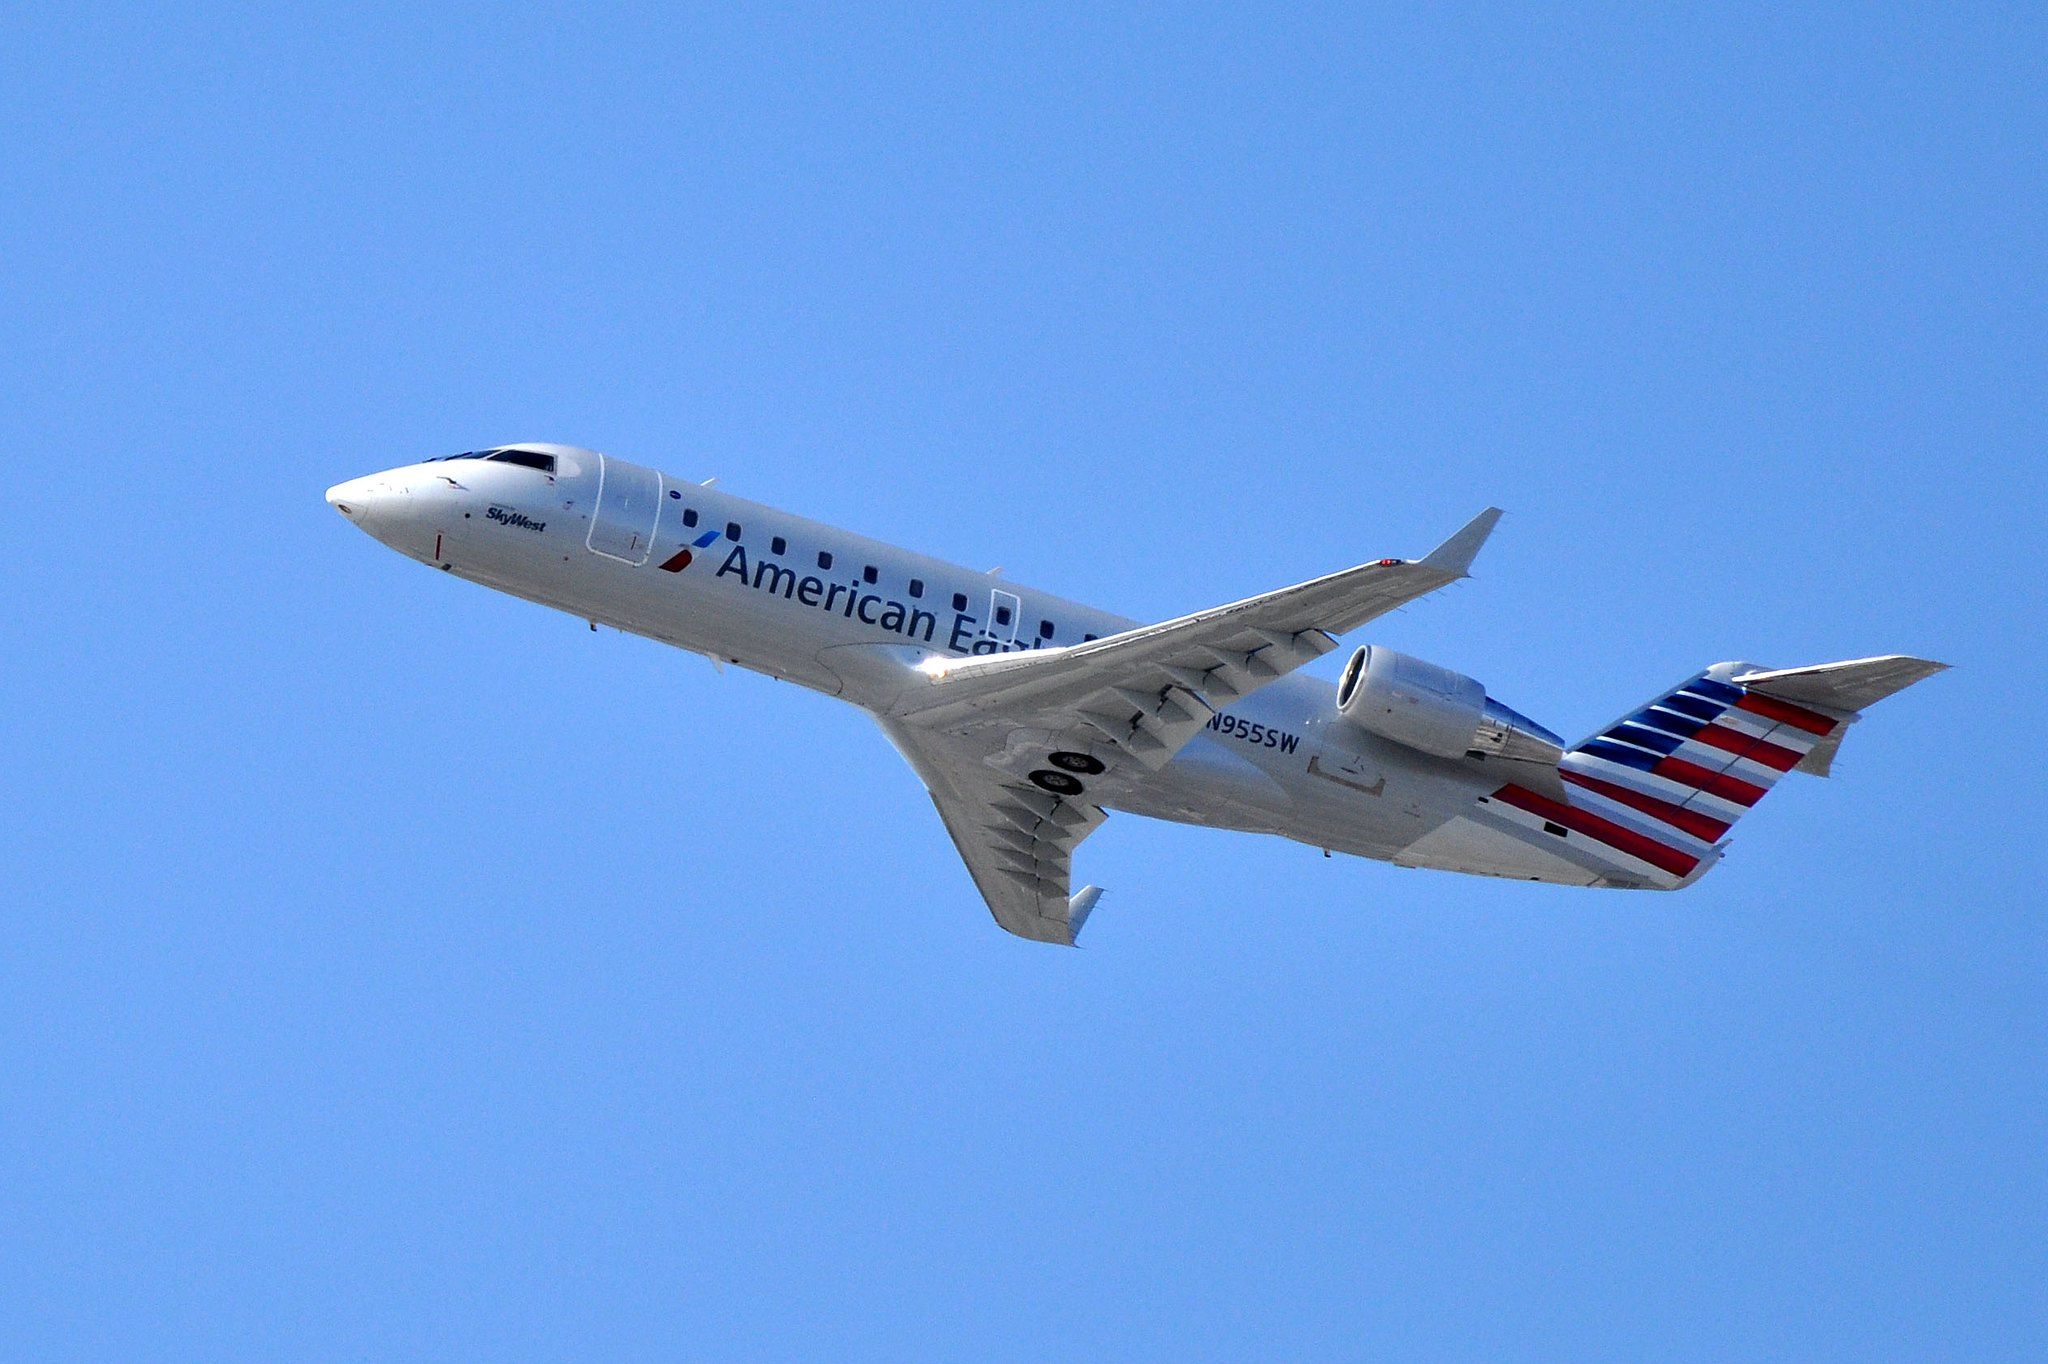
x=1648 y=801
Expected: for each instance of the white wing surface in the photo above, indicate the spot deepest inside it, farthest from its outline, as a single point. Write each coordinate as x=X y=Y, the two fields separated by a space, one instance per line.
x=981 y=732
x=1017 y=840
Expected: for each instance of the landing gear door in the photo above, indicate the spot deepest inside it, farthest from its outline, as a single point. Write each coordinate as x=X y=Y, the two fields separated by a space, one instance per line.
x=1003 y=612
x=628 y=505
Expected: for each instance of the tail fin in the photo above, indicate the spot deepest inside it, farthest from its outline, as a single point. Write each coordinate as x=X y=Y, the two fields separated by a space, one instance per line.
x=1655 y=793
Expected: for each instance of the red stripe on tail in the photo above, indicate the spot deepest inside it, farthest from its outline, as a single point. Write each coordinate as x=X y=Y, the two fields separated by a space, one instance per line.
x=1713 y=783
x=1639 y=846
x=1748 y=746
x=1785 y=713
x=1677 y=816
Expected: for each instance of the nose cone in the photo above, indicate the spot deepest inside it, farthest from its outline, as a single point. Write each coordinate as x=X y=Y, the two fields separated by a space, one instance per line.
x=405 y=509
x=361 y=499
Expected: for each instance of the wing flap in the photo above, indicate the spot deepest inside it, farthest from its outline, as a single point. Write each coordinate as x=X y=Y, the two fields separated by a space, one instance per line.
x=1151 y=689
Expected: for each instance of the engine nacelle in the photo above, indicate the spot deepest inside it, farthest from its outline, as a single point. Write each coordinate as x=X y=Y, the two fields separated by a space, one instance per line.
x=1435 y=710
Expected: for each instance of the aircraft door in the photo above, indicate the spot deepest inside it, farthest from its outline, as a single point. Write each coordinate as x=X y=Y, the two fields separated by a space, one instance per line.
x=1004 y=613
x=628 y=505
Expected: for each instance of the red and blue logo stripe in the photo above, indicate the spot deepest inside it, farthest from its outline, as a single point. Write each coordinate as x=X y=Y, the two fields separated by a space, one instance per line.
x=680 y=560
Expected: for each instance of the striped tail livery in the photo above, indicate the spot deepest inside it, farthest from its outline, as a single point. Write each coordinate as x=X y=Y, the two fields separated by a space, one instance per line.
x=1648 y=801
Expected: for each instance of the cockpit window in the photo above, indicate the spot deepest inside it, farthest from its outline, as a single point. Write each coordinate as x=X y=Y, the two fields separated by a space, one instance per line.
x=527 y=458
x=544 y=463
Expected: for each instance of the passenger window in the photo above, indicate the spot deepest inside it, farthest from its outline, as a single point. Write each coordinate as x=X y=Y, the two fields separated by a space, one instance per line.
x=689 y=516
x=1087 y=638
x=959 y=601
x=824 y=558
x=868 y=574
x=1002 y=615
x=778 y=545
x=917 y=587
x=732 y=530
x=1045 y=629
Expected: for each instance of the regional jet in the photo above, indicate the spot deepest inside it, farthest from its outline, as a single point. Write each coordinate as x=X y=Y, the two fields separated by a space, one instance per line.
x=1029 y=717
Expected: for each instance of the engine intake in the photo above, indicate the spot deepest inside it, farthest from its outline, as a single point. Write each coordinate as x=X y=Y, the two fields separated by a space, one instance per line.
x=1434 y=710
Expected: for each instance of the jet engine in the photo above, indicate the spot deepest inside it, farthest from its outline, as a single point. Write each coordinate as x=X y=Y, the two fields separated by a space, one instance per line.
x=1435 y=710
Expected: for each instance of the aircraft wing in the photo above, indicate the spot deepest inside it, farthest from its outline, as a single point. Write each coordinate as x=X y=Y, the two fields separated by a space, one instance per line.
x=1017 y=840
x=979 y=725
x=1151 y=689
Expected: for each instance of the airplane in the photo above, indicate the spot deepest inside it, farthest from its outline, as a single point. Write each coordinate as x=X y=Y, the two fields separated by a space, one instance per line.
x=1029 y=717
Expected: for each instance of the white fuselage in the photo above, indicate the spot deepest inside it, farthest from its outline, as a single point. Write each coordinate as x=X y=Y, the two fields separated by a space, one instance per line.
x=605 y=540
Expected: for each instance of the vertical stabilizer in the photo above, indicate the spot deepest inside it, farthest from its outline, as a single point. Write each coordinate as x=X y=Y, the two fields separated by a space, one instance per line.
x=1655 y=793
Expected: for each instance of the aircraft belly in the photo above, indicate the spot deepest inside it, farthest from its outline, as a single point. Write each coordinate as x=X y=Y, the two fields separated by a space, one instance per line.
x=1206 y=785
x=1465 y=844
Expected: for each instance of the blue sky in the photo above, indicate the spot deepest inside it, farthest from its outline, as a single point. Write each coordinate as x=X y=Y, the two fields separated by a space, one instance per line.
x=392 y=969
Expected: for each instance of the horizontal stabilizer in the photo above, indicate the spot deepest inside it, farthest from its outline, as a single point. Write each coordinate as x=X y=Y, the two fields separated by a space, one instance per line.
x=1852 y=685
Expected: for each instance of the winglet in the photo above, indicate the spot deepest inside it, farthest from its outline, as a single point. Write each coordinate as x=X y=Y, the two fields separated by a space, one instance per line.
x=1079 y=907
x=1455 y=555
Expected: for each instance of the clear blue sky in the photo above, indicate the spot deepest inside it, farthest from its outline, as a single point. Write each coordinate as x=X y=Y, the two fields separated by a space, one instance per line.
x=393 y=969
